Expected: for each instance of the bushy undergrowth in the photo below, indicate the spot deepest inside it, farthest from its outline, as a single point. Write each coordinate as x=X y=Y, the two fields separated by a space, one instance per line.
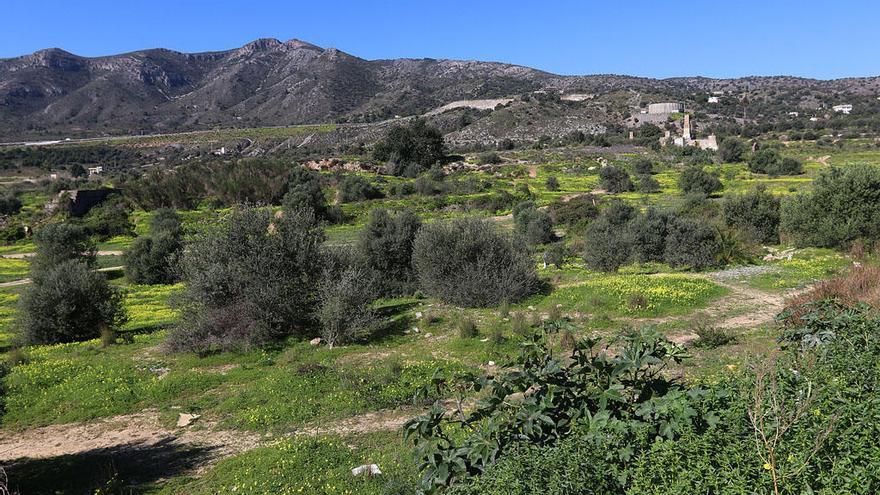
x=250 y=281
x=801 y=422
x=467 y=262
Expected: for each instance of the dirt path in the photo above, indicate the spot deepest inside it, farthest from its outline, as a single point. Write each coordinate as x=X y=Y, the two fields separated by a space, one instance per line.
x=20 y=256
x=26 y=281
x=144 y=430
x=140 y=431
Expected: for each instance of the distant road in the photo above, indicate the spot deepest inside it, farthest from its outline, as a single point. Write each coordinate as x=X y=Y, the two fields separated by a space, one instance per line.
x=21 y=256
x=26 y=281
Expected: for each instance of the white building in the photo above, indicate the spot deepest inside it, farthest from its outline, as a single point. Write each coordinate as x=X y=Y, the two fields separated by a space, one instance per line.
x=844 y=109
x=655 y=108
x=793 y=114
x=713 y=99
x=96 y=170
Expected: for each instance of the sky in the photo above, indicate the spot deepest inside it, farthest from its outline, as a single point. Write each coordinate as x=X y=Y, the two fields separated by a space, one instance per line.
x=653 y=38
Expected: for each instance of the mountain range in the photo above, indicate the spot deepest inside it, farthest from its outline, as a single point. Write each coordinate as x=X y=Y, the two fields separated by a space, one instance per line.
x=269 y=82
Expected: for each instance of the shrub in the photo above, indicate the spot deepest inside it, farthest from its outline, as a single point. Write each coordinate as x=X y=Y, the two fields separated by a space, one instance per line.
x=712 y=337
x=67 y=303
x=555 y=254
x=647 y=233
x=690 y=243
x=644 y=166
x=552 y=183
x=154 y=259
x=607 y=245
x=410 y=149
x=304 y=191
x=110 y=218
x=614 y=180
x=9 y=204
x=249 y=281
x=344 y=307
x=769 y=161
x=843 y=205
x=490 y=158
x=533 y=224
x=59 y=242
x=386 y=243
x=467 y=329
x=695 y=180
x=755 y=213
x=468 y=263
x=578 y=210
x=655 y=408
x=731 y=150
x=648 y=184
x=353 y=188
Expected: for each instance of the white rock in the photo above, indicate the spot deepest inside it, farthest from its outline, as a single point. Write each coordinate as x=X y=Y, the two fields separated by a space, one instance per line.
x=416 y=329
x=368 y=469
x=484 y=340
x=418 y=315
x=531 y=308
x=491 y=363
x=186 y=419
x=429 y=335
x=315 y=341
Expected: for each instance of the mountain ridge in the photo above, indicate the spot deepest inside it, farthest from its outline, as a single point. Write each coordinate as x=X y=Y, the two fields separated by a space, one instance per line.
x=272 y=82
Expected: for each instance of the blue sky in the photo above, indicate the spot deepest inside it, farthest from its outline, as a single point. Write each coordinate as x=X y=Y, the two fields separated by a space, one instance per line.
x=656 y=38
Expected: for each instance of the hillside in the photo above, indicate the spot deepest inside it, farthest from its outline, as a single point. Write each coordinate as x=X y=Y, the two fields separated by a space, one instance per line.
x=53 y=93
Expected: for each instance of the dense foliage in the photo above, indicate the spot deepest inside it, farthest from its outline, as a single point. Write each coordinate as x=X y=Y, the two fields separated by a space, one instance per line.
x=804 y=421
x=467 y=262
x=410 y=149
x=615 y=180
x=386 y=244
x=153 y=259
x=69 y=303
x=695 y=180
x=843 y=205
x=250 y=281
x=532 y=224
x=755 y=213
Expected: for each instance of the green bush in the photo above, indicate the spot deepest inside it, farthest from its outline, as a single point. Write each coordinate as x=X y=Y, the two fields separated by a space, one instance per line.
x=731 y=150
x=552 y=183
x=607 y=245
x=690 y=243
x=532 y=224
x=67 y=303
x=410 y=149
x=647 y=232
x=467 y=262
x=154 y=259
x=843 y=205
x=59 y=242
x=9 y=204
x=615 y=180
x=770 y=161
x=386 y=243
x=695 y=180
x=250 y=280
x=344 y=304
x=755 y=213
x=353 y=188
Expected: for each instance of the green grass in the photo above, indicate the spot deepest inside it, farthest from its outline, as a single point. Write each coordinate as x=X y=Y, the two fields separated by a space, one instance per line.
x=806 y=266
x=13 y=269
x=635 y=295
x=308 y=466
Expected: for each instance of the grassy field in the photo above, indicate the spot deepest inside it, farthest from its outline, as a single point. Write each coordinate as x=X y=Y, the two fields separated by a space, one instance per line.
x=277 y=395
